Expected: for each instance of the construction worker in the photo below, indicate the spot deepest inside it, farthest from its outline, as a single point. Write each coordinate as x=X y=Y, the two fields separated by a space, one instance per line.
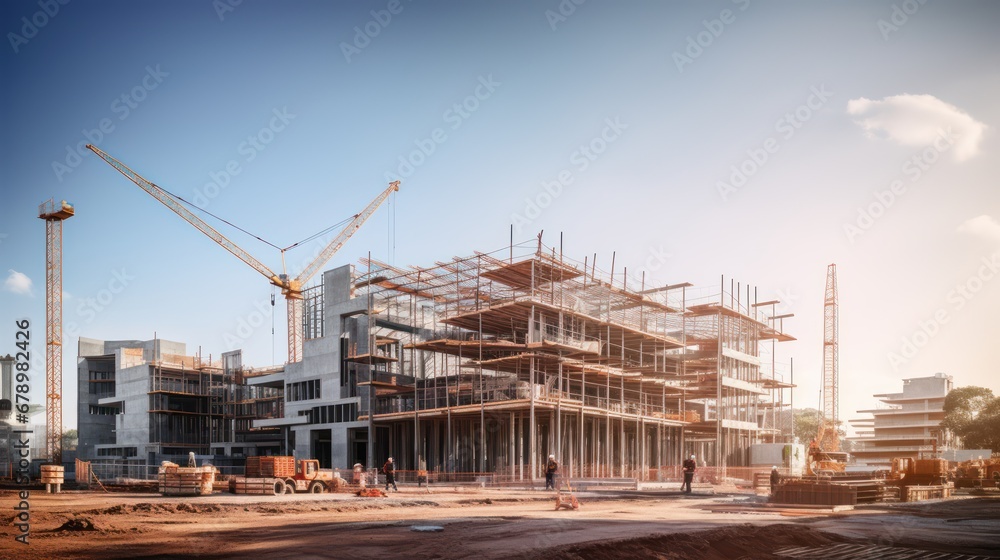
x=775 y=478
x=689 y=466
x=550 y=472
x=389 y=469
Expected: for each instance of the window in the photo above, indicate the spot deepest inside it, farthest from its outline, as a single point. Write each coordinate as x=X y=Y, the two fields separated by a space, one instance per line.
x=104 y=410
x=303 y=390
x=332 y=414
x=117 y=452
x=102 y=383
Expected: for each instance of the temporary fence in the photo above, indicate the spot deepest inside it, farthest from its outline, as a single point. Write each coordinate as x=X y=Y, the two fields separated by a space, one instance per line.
x=121 y=472
x=739 y=476
x=436 y=477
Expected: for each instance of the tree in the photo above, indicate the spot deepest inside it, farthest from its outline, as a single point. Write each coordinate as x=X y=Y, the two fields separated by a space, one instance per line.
x=807 y=422
x=973 y=414
x=70 y=438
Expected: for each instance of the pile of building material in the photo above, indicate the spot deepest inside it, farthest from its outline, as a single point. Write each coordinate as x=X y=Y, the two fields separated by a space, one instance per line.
x=920 y=493
x=175 y=480
x=243 y=485
x=270 y=467
x=977 y=473
x=818 y=492
x=53 y=478
x=815 y=493
x=920 y=479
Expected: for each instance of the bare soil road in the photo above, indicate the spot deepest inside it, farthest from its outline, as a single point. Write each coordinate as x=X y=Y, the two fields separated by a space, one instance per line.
x=487 y=524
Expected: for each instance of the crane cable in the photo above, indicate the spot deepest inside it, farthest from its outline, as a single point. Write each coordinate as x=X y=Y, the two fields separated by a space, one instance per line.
x=257 y=237
x=223 y=220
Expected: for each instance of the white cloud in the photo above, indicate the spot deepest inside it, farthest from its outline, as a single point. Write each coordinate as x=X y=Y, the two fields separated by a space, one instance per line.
x=917 y=120
x=983 y=226
x=18 y=282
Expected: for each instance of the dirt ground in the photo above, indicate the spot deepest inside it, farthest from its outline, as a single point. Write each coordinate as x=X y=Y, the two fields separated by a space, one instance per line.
x=487 y=524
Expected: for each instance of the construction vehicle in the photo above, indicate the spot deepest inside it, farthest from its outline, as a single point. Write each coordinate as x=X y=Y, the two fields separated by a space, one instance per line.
x=977 y=473
x=823 y=458
x=919 y=479
x=919 y=472
x=303 y=475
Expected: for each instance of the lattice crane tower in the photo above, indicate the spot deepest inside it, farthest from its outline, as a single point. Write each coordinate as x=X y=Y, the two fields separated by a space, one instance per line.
x=53 y=214
x=831 y=374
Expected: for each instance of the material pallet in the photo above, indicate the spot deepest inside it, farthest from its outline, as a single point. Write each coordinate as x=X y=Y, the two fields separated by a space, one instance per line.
x=267 y=467
x=257 y=486
x=919 y=493
x=185 y=481
x=818 y=494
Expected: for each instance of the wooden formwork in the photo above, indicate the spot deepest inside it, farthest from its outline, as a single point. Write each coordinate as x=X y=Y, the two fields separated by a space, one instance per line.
x=256 y=485
x=266 y=467
x=815 y=493
x=919 y=493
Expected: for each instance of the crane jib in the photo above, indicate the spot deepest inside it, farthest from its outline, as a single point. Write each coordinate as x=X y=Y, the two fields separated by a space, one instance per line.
x=290 y=288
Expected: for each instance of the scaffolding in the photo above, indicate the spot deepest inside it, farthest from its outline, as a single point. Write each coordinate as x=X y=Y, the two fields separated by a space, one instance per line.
x=195 y=403
x=492 y=362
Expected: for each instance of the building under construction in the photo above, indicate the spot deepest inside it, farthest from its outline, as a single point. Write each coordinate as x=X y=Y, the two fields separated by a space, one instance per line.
x=142 y=402
x=492 y=362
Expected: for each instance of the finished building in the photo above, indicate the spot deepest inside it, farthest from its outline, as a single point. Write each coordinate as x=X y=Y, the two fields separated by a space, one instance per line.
x=908 y=424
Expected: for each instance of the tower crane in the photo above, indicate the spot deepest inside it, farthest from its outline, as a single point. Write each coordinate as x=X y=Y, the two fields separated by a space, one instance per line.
x=824 y=452
x=831 y=362
x=291 y=288
x=54 y=214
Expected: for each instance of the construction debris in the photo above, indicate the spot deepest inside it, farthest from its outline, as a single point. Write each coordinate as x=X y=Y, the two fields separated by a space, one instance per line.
x=566 y=500
x=77 y=524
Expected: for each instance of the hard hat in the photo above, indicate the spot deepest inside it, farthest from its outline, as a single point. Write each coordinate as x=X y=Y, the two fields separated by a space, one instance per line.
x=390 y=459
x=774 y=468
x=552 y=456
x=692 y=456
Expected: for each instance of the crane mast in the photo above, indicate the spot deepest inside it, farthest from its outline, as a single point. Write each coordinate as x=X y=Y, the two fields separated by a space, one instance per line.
x=291 y=288
x=831 y=373
x=53 y=214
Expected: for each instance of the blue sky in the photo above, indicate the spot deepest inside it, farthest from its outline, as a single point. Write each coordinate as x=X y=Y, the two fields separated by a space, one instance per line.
x=646 y=110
